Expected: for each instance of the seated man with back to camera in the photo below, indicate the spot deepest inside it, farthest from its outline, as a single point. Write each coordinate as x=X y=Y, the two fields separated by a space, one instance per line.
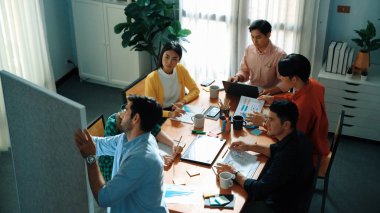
x=259 y=63
x=137 y=176
x=308 y=95
x=289 y=171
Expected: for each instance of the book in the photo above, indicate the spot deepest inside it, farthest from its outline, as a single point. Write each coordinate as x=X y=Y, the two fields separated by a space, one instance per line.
x=212 y=202
x=341 y=58
x=350 y=58
x=334 y=68
x=330 y=56
x=345 y=60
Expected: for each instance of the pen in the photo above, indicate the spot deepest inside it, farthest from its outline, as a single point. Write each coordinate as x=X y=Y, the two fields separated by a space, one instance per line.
x=175 y=106
x=179 y=141
x=226 y=152
x=212 y=168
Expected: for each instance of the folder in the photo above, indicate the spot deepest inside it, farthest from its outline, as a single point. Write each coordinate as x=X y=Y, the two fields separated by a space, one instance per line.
x=350 y=58
x=336 y=57
x=345 y=60
x=330 y=56
x=341 y=58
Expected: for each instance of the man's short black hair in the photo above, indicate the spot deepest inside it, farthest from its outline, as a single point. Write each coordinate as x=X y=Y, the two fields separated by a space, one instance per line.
x=149 y=110
x=295 y=65
x=262 y=25
x=175 y=46
x=286 y=111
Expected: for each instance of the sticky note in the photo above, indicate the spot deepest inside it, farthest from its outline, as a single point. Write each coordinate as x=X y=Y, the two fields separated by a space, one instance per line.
x=256 y=132
x=208 y=194
x=221 y=200
x=251 y=127
x=213 y=202
x=192 y=172
x=179 y=181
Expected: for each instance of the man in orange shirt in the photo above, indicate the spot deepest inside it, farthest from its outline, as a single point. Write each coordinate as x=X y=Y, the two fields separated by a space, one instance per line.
x=308 y=95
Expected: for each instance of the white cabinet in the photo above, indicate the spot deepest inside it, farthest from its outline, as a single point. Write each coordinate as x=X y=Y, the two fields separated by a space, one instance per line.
x=101 y=58
x=359 y=99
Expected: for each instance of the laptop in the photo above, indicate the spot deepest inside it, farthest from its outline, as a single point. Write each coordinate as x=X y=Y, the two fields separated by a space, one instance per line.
x=238 y=89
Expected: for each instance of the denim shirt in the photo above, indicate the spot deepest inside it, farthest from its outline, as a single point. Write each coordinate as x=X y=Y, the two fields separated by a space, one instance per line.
x=137 y=175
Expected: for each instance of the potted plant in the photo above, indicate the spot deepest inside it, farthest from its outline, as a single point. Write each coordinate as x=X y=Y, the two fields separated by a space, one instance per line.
x=367 y=44
x=149 y=24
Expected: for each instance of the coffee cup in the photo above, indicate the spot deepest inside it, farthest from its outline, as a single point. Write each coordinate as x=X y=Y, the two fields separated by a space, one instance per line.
x=226 y=180
x=199 y=120
x=238 y=122
x=214 y=91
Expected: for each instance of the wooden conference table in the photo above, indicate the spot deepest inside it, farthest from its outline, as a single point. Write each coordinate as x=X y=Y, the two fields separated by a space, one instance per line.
x=206 y=181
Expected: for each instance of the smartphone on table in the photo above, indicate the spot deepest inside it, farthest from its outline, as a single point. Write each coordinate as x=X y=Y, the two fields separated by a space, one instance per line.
x=207 y=82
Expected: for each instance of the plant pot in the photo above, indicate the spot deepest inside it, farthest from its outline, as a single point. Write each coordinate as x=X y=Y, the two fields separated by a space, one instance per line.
x=363 y=76
x=349 y=75
x=362 y=61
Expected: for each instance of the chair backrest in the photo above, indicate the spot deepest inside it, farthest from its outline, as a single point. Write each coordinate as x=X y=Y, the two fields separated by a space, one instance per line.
x=96 y=127
x=305 y=204
x=137 y=87
x=335 y=141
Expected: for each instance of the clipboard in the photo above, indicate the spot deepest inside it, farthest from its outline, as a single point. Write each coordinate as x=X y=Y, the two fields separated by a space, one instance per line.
x=203 y=150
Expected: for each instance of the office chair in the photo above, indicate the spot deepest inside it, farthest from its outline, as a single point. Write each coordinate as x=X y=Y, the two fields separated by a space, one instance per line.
x=324 y=171
x=96 y=127
x=310 y=192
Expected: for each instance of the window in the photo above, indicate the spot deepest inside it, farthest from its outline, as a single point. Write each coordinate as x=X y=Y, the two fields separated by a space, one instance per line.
x=218 y=27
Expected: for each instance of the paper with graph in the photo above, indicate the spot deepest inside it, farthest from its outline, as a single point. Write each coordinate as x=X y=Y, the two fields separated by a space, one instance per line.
x=190 y=111
x=244 y=162
x=248 y=105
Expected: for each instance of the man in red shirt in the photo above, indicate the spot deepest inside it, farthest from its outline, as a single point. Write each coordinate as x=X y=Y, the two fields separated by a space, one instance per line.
x=308 y=95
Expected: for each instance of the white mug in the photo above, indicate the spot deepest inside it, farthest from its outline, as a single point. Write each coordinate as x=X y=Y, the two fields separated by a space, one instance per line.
x=226 y=180
x=214 y=91
x=199 y=120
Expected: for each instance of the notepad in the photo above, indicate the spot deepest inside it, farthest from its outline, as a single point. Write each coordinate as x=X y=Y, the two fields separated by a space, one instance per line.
x=248 y=105
x=203 y=149
x=228 y=200
x=243 y=162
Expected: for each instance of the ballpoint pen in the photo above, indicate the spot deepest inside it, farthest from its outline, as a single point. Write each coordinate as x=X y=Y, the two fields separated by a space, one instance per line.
x=179 y=141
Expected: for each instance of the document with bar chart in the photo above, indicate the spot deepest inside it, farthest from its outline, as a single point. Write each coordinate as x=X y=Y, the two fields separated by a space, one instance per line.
x=248 y=105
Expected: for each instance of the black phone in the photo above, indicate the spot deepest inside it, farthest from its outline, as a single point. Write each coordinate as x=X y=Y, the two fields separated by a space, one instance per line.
x=213 y=112
x=207 y=82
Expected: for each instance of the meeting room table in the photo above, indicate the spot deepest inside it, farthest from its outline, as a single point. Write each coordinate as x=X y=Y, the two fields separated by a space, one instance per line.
x=206 y=181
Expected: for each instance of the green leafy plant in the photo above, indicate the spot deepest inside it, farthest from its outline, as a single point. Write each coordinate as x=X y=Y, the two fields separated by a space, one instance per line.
x=149 y=24
x=366 y=41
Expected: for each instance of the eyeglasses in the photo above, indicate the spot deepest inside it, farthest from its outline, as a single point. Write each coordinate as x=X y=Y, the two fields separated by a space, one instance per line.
x=122 y=108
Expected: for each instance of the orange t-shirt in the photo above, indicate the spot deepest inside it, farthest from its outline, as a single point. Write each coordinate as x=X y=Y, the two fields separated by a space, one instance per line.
x=312 y=118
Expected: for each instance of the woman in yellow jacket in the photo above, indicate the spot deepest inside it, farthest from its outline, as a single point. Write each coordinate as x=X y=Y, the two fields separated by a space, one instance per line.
x=167 y=83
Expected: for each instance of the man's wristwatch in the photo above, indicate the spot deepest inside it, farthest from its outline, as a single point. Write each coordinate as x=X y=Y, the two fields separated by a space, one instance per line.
x=91 y=159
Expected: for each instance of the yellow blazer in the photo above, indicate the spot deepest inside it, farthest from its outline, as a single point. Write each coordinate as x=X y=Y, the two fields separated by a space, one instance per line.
x=154 y=88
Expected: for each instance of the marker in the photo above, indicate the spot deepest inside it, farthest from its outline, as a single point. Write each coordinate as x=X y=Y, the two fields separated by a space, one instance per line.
x=199 y=132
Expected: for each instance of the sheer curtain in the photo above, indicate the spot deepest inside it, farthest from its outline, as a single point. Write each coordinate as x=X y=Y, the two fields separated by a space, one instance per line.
x=218 y=39
x=23 y=49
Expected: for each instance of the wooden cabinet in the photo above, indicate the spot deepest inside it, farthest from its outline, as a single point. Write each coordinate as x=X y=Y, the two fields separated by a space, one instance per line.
x=359 y=99
x=101 y=58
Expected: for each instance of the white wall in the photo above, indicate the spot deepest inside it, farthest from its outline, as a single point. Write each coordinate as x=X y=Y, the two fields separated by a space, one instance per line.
x=59 y=29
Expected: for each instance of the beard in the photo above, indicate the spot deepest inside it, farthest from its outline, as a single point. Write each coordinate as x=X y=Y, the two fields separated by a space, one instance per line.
x=127 y=126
